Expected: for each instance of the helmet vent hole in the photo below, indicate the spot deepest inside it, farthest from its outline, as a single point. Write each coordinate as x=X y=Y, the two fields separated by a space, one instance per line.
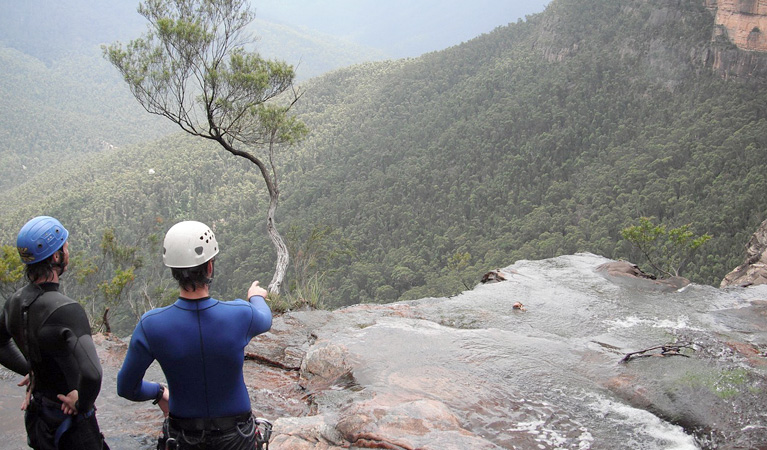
x=198 y=250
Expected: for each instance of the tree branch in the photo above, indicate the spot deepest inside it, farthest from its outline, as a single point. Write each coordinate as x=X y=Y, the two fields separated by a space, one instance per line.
x=665 y=350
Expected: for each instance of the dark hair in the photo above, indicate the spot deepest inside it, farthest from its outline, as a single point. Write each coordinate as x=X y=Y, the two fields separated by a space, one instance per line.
x=42 y=270
x=193 y=277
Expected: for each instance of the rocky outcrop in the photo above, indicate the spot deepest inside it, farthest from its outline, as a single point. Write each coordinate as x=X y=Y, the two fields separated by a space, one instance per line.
x=753 y=271
x=626 y=273
x=732 y=63
x=742 y=26
x=472 y=371
x=743 y=22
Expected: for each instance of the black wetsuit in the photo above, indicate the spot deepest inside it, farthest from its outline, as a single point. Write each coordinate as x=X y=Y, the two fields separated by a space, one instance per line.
x=44 y=329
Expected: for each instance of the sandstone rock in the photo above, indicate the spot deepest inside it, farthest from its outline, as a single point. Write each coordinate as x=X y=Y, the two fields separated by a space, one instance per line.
x=493 y=276
x=753 y=271
x=497 y=275
x=287 y=342
x=312 y=432
x=744 y=22
x=395 y=376
x=624 y=272
x=324 y=366
x=623 y=268
x=401 y=423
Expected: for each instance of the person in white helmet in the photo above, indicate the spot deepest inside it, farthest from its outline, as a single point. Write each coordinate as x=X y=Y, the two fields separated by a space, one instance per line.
x=199 y=342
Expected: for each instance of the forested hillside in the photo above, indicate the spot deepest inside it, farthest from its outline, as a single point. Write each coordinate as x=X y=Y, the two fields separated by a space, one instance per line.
x=72 y=108
x=62 y=99
x=542 y=138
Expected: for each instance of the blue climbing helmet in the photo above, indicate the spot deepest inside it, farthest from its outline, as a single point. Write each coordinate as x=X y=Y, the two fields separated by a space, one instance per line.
x=40 y=238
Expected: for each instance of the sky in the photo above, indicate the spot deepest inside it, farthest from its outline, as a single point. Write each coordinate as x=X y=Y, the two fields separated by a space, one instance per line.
x=402 y=28
x=376 y=29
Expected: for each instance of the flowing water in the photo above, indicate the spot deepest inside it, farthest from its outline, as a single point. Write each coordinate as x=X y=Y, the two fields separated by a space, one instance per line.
x=539 y=378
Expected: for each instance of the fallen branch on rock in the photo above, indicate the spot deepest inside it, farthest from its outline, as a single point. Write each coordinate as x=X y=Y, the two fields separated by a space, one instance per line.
x=665 y=350
x=268 y=362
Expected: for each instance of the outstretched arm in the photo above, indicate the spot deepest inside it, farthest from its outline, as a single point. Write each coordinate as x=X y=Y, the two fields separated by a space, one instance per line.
x=262 y=314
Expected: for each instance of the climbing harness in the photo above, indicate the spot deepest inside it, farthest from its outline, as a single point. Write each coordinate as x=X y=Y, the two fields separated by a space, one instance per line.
x=53 y=422
x=67 y=424
x=194 y=432
x=263 y=433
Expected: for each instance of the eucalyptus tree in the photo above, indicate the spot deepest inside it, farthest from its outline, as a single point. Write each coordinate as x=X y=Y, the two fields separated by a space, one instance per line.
x=12 y=271
x=195 y=66
x=666 y=250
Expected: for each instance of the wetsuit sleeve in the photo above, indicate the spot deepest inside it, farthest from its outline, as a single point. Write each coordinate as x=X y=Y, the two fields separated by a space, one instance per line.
x=130 y=379
x=71 y=324
x=261 y=321
x=10 y=355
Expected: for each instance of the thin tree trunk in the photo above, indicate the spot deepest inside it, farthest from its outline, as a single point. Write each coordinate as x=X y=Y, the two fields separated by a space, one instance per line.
x=283 y=257
x=105 y=321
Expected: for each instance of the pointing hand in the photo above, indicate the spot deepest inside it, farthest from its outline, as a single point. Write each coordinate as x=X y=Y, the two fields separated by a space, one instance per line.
x=255 y=289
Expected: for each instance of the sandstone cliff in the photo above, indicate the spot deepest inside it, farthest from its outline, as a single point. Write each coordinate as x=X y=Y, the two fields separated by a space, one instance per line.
x=753 y=271
x=742 y=23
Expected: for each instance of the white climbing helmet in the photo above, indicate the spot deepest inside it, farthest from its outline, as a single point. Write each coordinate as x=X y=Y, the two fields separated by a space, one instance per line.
x=188 y=244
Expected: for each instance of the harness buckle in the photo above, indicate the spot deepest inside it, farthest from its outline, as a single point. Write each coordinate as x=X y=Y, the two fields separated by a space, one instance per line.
x=171 y=444
x=263 y=433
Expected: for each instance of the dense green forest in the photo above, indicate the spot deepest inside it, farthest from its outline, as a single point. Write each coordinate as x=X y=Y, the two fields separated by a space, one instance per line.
x=63 y=100
x=542 y=138
x=70 y=109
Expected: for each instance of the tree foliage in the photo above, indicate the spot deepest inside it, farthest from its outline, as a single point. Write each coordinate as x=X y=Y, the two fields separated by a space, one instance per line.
x=112 y=275
x=12 y=271
x=666 y=250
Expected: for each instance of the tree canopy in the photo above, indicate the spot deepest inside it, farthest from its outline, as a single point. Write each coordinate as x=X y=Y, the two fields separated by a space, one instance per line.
x=666 y=250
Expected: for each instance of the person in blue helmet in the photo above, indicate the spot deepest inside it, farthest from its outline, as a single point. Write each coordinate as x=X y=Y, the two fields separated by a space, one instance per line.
x=47 y=336
x=199 y=342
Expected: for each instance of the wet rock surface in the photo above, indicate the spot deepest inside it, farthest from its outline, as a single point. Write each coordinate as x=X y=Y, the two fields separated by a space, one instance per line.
x=473 y=371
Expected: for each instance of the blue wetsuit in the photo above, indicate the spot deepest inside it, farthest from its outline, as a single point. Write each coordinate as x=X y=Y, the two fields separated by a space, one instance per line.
x=200 y=347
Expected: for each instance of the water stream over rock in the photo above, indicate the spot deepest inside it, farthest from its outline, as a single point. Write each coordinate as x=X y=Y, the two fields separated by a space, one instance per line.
x=473 y=371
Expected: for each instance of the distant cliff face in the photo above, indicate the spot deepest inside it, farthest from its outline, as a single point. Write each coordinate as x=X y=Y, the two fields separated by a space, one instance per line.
x=753 y=271
x=743 y=22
